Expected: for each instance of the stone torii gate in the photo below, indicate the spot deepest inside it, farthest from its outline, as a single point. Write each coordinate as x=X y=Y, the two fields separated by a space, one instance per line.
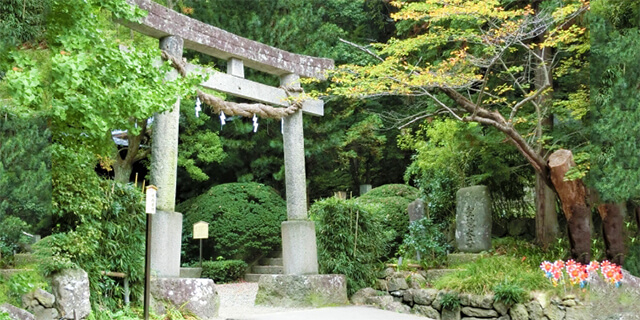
x=177 y=32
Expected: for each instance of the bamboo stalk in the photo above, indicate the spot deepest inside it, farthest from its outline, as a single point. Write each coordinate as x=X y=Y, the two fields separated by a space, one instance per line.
x=355 y=242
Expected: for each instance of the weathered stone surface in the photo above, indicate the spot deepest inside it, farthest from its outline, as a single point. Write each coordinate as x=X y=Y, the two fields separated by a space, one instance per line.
x=569 y=303
x=302 y=290
x=553 y=312
x=196 y=296
x=425 y=297
x=577 y=313
x=408 y=296
x=505 y=317
x=534 y=308
x=190 y=272
x=71 y=290
x=498 y=228
x=416 y=281
x=397 y=284
x=381 y=284
x=484 y=301
x=473 y=219
x=46 y=299
x=46 y=314
x=426 y=311
x=519 y=312
x=501 y=307
x=396 y=306
x=437 y=301
x=450 y=314
x=387 y=273
x=543 y=298
x=379 y=301
x=479 y=312
x=16 y=313
x=361 y=296
x=299 y=249
x=416 y=210
x=216 y=42
x=398 y=293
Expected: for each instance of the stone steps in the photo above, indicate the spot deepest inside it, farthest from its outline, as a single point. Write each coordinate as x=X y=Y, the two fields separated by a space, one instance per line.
x=269 y=265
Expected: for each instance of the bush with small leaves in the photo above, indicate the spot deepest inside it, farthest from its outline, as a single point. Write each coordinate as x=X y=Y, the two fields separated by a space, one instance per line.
x=223 y=271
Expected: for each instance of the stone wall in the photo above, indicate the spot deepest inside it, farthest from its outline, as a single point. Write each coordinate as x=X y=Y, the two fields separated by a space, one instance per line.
x=406 y=292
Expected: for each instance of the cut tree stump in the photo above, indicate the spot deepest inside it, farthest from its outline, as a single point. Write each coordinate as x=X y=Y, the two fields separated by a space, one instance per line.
x=573 y=196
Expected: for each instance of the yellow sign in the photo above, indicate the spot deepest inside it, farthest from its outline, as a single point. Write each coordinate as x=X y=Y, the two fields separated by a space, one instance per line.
x=201 y=230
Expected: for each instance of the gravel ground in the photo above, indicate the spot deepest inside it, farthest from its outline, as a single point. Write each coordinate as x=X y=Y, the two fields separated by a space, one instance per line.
x=237 y=301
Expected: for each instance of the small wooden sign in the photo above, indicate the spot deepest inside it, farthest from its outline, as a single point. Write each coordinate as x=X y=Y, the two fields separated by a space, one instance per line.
x=152 y=191
x=201 y=230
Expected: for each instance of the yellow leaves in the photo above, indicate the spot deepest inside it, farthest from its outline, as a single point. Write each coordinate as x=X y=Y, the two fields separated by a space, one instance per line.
x=187 y=10
x=503 y=88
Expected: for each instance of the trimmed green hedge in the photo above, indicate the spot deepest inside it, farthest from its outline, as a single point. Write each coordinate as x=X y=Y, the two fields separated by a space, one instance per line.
x=351 y=241
x=244 y=221
x=224 y=271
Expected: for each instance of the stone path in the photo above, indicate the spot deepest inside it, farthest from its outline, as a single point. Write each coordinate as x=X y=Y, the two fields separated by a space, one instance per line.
x=237 y=303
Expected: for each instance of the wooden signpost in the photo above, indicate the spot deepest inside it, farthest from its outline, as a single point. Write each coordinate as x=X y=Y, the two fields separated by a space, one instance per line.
x=200 y=231
x=150 y=209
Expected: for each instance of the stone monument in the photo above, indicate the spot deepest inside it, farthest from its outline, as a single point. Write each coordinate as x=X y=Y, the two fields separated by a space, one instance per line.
x=473 y=219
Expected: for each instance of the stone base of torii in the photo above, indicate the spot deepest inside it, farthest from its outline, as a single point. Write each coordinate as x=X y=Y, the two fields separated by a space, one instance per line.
x=177 y=32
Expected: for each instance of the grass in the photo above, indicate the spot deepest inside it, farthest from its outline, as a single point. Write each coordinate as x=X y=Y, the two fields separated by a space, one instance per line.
x=485 y=274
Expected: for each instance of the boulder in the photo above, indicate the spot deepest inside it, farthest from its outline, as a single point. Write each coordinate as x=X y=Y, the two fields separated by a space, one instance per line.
x=407 y=296
x=519 y=312
x=553 y=312
x=71 y=290
x=362 y=295
x=381 y=284
x=450 y=314
x=473 y=219
x=16 y=313
x=395 y=284
x=396 y=306
x=424 y=297
x=416 y=210
x=501 y=307
x=302 y=290
x=46 y=299
x=426 y=311
x=479 y=312
x=416 y=281
x=196 y=296
x=46 y=314
x=578 y=313
x=534 y=308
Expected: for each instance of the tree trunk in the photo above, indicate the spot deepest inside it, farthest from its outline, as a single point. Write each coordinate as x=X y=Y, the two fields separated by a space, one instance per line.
x=122 y=171
x=612 y=221
x=546 y=214
x=573 y=197
x=637 y=215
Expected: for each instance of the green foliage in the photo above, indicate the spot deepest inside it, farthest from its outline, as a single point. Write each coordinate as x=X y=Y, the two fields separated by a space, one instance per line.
x=351 y=241
x=428 y=239
x=244 y=221
x=224 y=271
x=22 y=22
x=615 y=107
x=25 y=174
x=198 y=146
x=509 y=293
x=100 y=228
x=13 y=287
x=632 y=260
x=485 y=274
x=450 y=301
x=11 y=235
x=393 y=190
x=451 y=155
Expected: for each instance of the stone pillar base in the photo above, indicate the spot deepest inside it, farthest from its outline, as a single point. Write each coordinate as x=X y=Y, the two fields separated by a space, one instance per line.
x=299 y=251
x=166 y=241
x=320 y=290
x=197 y=296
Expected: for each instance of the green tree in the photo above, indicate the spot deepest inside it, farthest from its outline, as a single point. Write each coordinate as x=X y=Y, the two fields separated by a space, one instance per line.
x=466 y=58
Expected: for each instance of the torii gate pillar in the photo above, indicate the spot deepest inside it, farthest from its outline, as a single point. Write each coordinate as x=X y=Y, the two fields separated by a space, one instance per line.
x=299 y=250
x=166 y=224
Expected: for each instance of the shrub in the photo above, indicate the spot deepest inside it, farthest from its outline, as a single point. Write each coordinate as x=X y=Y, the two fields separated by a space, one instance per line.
x=101 y=227
x=389 y=203
x=393 y=190
x=450 y=301
x=13 y=287
x=224 y=271
x=632 y=260
x=429 y=240
x=509 y=293
x=244 y=221
x=11 y=235
x=351 y=241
